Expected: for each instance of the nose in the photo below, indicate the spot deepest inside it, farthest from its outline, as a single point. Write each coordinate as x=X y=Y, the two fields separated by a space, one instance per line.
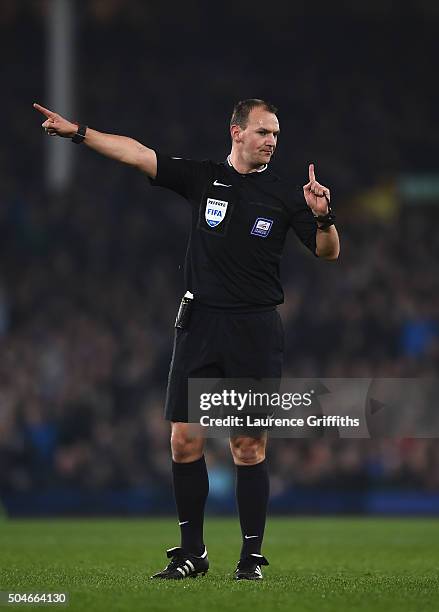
x=271 y=140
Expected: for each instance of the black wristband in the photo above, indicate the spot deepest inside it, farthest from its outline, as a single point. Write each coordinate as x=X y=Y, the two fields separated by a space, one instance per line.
x=325 y=220
x=80 y=134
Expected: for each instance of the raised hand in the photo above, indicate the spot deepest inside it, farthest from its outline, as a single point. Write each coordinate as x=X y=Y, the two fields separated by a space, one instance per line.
x=317 y=196
x=55 y=125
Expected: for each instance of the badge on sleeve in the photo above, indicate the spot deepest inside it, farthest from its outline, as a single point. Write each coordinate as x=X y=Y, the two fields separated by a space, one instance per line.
x=262 y=227
x=215 y=211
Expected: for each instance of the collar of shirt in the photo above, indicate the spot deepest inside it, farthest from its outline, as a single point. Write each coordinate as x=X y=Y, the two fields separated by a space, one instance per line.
x=264 y=167
x=264 y=174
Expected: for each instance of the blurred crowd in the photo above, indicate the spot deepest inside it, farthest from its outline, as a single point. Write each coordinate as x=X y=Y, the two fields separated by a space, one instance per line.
x=90 y=279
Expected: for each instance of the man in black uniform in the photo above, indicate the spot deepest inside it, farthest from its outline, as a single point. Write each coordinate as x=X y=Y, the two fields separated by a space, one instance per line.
x=241 y=213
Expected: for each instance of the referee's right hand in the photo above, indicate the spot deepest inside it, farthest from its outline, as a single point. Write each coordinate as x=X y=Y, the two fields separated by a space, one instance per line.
x=55 y=125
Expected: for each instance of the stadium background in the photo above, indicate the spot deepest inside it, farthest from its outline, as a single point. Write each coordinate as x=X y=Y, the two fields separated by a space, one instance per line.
x=90 y=275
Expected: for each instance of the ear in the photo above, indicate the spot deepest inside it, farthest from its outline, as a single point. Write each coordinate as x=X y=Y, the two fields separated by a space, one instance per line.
x=235 y=133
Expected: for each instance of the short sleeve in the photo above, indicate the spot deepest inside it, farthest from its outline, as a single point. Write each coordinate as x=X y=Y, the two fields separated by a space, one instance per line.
x=186 y=177
x=303 y=223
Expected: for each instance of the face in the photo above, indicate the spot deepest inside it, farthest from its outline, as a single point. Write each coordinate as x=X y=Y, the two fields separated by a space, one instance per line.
x=257 y=142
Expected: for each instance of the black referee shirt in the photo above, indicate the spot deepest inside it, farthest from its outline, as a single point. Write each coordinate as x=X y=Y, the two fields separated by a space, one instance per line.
x=239 y=226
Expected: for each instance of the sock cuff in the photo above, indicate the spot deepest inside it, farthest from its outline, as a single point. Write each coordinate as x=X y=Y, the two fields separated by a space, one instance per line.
x=189 y=465
x=257 y=467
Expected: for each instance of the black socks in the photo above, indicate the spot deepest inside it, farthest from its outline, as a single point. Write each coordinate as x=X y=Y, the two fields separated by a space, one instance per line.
x=252 y=489
x=191 y=487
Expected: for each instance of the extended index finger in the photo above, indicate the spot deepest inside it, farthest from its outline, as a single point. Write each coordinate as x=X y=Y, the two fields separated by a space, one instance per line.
x=43 y=110
x=312 y=176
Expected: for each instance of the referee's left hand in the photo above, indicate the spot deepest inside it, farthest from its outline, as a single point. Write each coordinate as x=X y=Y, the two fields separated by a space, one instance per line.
x=317 y=196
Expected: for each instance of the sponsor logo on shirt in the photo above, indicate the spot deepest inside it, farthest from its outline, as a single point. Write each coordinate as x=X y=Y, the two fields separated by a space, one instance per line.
x=215 y=211
x=262 y=227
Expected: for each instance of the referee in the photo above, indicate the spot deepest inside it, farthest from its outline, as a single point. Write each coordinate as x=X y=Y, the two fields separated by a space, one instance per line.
x=241 y=213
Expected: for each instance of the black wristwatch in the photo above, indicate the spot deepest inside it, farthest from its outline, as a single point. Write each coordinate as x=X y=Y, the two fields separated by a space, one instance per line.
x=80 y=134
x=327 y=220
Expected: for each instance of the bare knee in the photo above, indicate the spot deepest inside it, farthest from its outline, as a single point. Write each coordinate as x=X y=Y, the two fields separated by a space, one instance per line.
x=247 y=450
x=186 y=443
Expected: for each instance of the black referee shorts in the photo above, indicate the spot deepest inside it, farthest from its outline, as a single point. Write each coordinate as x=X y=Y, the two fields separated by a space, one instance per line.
x=223 y=344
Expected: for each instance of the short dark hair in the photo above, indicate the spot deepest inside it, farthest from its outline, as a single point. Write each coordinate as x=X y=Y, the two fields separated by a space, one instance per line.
x=243 y=108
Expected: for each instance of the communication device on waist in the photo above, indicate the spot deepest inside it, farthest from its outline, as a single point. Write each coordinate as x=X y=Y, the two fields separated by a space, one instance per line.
x=185 y=310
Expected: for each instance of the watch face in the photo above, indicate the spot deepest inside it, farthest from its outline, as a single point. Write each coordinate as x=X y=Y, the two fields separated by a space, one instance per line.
x=80 y=134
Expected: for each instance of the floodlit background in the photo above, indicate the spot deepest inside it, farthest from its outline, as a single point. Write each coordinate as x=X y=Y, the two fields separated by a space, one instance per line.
x=91 y=257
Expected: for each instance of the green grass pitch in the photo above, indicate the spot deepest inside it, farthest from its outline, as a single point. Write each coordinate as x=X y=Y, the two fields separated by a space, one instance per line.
x=316 y=564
